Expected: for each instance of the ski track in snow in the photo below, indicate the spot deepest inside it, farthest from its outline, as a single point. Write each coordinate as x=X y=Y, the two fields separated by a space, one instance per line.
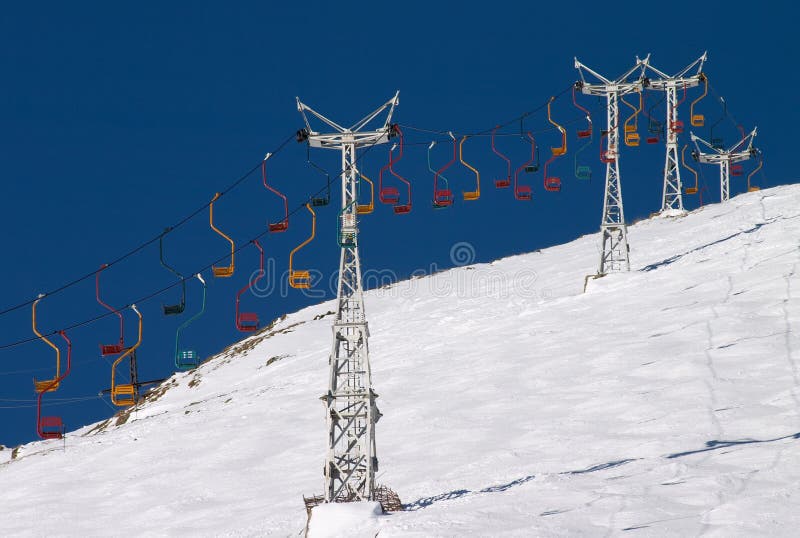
x=662 y=402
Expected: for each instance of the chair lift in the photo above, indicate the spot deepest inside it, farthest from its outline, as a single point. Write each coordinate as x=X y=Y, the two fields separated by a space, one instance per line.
x=562 y=149
x=346 y=227
x=677 y=125
x=699 y=120
x=524 y=192
x=753 y=188
x=226 y=270
x=469 y=195
x=172 y=309
x=109 y=349
x=281 y=225
x=506 y=181
x=52 y=427
x=441 y=197
x=552 y=183
x=302 y=279
x=583 y=133
x=387 y=195
x=248 y=321
x=738 y=169
x=46 y=385
x=741 y=131
x=187 y=359
x=631 y=124
x=604 y=153
x=125 y=394
x=703 y=189
x=398 y=208
x=366 y=209
x=689 y=190
x=319 y=201
x=719 y=142
x=654 y=127
x=583 y=172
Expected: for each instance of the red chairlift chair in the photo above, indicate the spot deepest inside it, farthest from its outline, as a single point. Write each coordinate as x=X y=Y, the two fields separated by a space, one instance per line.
x=110 y=349
x=525 y=192
x=399 y=208
x=248 y=321
x=281 y=225
x=52 y=427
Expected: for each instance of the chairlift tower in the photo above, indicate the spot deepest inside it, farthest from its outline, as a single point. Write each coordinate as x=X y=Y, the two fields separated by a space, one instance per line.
x=741 y=151
x=672 y=198
x=351 y=411
x=615 y=251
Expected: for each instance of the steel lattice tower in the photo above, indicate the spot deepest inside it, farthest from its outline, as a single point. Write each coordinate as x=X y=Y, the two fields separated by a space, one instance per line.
x=351 y=411
x=672 y=196
x=614 y=230
x=741 y=151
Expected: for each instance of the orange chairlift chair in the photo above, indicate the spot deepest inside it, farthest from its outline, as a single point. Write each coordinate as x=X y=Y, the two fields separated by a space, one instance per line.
x=699 y=120
x=301 y=279
x=689 y=190
x=225 y=270
x=631 y=125
x=47 y=385
x=366 y=209
x=281 y=225
x=248 y=321
x=109 y=349
x=750 y=186
x=553 y=183
x=469 y=195
x=52 y=427
x=125 y=394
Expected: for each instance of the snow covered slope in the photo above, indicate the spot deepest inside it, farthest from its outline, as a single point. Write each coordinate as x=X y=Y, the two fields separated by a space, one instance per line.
x=663 y=402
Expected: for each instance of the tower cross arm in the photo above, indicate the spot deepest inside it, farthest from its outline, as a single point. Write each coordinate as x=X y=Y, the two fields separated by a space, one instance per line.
x=390 y=104
x=697 y=139
x=354 y=133
x=681 y=76
x=698 y=62
x=641 y=65
x=741 y=151
x=746 y=143
x=621 y=84
x=581 y=67
x=303 y=108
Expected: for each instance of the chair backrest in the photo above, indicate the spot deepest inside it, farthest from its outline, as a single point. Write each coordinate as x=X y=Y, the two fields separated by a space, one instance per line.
x=301 y=279
x=224 y=271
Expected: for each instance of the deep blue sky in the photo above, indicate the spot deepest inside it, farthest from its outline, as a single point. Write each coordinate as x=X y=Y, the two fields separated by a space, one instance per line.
x=118 y=120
